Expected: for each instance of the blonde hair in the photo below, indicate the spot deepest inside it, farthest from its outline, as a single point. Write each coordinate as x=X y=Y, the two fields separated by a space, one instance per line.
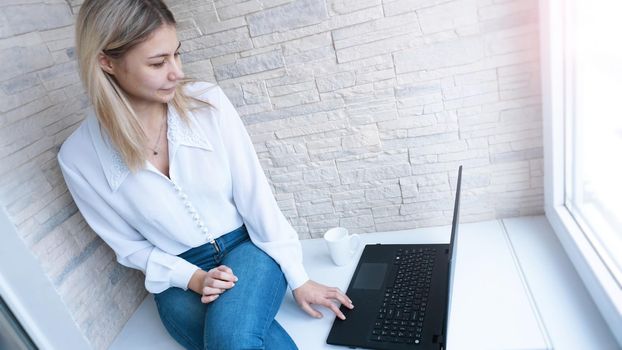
x=113 y=27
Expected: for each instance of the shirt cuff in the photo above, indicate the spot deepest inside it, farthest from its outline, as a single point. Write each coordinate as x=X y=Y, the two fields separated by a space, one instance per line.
x=182 y=273
x=296 y=276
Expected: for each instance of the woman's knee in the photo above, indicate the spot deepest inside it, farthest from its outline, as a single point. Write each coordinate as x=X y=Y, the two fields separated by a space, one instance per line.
x=241 y=317
x=261 y=282
x=256 y=262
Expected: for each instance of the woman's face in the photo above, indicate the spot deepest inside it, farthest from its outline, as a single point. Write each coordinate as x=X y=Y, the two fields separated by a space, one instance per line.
x=150 y=71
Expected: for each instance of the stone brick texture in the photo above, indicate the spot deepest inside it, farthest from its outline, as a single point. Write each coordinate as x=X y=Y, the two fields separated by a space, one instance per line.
x=360 y=112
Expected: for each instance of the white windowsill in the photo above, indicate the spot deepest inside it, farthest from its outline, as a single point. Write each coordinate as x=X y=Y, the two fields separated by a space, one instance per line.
x=598 y=280
x=569 y=318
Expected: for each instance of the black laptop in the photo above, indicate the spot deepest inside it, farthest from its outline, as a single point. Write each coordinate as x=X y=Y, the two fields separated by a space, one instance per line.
x=401 y=294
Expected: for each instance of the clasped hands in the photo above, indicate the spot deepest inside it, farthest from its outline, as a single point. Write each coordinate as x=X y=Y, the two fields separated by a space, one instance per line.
x=213 y=283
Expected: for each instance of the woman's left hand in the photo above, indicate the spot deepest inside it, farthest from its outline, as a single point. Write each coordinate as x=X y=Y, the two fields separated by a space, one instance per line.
x=314 y=293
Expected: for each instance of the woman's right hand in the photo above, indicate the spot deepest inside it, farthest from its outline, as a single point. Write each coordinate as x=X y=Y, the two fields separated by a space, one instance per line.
x=216 y=281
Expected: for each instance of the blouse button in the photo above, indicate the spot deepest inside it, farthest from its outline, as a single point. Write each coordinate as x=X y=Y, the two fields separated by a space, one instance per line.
x=192 y=211
x=195 y=217
x=187 y=204
x=183 y=196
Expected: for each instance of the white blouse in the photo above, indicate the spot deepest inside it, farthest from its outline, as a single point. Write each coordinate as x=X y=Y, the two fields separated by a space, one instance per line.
x=216 y=184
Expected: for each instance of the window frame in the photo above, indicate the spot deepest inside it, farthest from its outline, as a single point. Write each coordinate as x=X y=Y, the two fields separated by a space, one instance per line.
x=556 y=79
x=31 y=297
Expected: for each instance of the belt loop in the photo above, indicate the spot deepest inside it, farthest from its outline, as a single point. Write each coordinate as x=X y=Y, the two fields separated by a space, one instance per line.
x=216 y=247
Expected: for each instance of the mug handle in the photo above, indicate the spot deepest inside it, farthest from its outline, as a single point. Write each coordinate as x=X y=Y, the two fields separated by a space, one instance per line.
x=354 y=238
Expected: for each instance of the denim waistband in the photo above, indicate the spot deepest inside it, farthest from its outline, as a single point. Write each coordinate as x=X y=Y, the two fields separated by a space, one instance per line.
x=216 y=250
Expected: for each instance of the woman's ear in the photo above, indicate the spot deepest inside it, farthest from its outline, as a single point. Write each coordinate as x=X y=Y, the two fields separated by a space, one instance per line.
x=106 y=63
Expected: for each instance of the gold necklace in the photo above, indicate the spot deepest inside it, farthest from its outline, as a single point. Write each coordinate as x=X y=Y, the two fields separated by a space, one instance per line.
x=156 y=148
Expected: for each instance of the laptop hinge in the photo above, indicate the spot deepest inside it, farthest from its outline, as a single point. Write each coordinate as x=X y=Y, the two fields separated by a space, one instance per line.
x=440 y=340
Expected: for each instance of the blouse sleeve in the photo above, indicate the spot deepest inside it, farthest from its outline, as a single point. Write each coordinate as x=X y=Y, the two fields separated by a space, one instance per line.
x=162 y=270
x=267 y=226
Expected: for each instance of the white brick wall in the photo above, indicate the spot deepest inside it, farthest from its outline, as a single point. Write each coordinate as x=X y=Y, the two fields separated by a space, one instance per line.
x=41 y=102
x=360 y=112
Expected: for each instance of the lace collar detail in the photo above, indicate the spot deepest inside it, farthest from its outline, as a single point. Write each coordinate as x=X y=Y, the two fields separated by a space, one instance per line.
x=113 y=164
x=188 y=134
x=110 y=158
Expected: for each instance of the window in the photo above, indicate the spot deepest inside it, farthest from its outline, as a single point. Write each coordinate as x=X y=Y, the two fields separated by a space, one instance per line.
x=12 y=335
x=594 y=171
x=582 y=114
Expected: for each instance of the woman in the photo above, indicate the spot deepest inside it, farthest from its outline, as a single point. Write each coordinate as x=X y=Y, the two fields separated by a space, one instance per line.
x=165 y=173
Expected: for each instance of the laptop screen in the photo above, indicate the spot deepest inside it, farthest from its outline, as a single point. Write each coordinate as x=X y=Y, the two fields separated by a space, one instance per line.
x=453 y=248
x=404 y=292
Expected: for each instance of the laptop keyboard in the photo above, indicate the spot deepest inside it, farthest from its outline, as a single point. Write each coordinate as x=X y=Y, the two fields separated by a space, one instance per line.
x=400 y=318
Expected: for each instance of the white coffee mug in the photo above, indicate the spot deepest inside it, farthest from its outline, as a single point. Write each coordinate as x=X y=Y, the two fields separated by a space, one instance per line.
x=341 y=245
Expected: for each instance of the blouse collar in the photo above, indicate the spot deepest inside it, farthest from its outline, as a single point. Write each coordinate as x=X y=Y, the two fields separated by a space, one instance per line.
x=116 y=170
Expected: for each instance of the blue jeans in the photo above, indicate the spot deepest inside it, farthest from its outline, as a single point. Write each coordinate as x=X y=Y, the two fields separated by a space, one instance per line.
x=243 y=316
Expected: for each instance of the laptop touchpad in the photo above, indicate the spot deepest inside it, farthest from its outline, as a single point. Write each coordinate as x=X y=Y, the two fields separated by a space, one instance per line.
x=370 y=276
